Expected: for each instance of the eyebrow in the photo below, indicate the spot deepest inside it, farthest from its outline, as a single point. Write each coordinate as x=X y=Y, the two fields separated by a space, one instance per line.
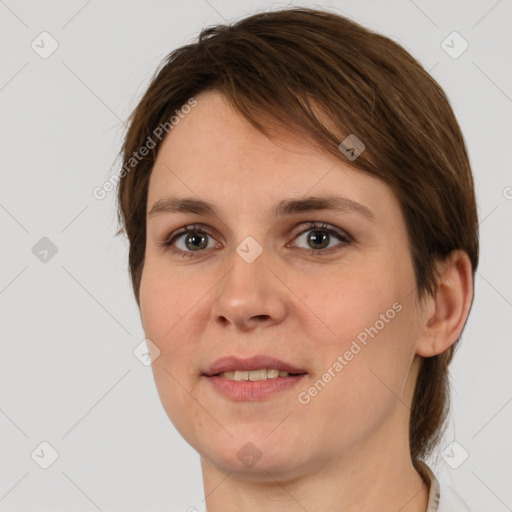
x=283 y=208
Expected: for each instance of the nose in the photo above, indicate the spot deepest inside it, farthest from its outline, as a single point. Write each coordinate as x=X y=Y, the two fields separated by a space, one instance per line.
x=250 y=295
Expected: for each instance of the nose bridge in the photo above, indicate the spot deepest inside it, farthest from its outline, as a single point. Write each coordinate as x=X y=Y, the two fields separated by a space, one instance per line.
x=249 y=292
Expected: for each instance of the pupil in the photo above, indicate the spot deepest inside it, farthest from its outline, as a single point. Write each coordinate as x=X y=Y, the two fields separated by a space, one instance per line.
x=319 y=239
x=202 y=244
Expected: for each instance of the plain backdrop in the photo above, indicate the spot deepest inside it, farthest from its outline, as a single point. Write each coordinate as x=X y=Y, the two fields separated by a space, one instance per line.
x=68 y=322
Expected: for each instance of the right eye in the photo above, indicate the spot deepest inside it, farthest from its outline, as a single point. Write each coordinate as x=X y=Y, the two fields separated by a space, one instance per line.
x=188 y=240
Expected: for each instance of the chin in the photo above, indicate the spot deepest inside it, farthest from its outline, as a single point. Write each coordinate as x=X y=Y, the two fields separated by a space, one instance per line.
x=254 y=457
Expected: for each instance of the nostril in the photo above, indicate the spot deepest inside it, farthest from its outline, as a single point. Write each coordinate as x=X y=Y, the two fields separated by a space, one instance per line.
x=223 y=320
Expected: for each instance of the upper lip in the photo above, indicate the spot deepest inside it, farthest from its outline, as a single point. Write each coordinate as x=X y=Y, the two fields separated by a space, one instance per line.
x=232 y=363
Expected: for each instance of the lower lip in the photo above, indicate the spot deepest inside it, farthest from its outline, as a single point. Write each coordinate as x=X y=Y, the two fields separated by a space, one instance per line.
x=247 y=390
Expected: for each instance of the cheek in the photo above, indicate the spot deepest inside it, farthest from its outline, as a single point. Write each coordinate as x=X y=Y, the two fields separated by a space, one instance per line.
x=353 y=302
x=370 y=380
x=166 y=297
x=371 y=319
x=154 y=305
x=168 y=321
x=166 y=308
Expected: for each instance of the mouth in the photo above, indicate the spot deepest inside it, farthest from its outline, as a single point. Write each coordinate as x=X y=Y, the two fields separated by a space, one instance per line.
x=255 y=378
x=260 y=367
x=255 y=375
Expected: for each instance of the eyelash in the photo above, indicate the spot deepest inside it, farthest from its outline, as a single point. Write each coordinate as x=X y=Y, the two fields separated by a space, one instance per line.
x=344 y=237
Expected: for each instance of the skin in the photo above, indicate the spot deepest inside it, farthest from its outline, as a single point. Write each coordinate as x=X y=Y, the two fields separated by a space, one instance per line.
x=348 y=448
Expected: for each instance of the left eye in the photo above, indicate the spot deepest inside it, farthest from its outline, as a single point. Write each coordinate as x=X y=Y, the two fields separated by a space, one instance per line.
x=320 y=235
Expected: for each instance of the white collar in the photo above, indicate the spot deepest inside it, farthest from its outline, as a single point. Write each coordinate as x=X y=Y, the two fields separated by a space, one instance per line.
x=434 y=489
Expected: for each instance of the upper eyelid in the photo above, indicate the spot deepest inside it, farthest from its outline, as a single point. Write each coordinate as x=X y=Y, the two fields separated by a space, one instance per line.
x=302 y=225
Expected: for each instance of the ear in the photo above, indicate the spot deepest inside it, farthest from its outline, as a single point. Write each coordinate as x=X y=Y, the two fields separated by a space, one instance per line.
x=445 y=313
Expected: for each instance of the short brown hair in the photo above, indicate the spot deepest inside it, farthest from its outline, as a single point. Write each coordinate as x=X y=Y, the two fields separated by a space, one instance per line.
x=291 y=68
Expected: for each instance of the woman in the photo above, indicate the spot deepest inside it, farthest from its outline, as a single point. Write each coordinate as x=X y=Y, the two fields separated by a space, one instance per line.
x=303 y=237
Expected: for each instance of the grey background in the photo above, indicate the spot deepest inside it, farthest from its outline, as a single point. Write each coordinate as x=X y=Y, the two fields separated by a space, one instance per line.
x=69 y=325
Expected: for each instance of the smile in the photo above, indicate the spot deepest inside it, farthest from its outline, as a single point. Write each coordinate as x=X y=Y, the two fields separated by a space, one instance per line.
x=255 y=375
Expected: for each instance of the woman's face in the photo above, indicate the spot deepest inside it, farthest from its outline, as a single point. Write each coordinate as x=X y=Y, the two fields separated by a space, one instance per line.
x=337 y=303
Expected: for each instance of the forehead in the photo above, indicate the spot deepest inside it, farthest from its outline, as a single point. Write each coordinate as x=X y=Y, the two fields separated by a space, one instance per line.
x=214 y=132
x=214 y=153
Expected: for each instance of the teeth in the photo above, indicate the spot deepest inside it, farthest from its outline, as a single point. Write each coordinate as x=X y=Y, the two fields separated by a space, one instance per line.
x=254 y=375
x=258 y=375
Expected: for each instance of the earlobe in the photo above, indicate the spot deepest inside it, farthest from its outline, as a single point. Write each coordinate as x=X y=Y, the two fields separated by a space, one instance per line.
x=446 y=312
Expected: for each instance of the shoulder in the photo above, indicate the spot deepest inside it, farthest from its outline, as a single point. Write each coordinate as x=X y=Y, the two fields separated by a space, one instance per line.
x=450 y=501
x=442 y=497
